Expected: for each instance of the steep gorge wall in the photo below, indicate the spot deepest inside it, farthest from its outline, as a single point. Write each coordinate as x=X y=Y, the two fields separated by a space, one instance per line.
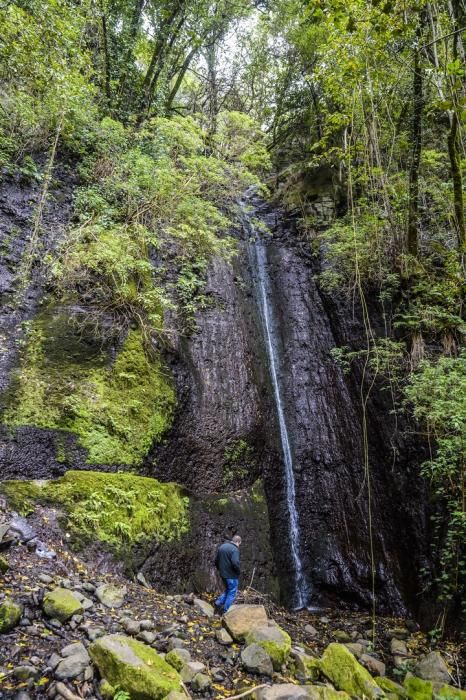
x=224 y=435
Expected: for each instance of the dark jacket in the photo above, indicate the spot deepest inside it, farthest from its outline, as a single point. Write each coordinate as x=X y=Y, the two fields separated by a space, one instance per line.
x=227 y=560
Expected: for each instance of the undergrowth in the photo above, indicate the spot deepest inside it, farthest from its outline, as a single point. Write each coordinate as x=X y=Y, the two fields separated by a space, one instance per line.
x=118 y=509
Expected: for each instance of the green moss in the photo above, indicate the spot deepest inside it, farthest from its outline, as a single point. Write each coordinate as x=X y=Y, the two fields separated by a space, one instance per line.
x=4 y=565
x=61 y=604
x=390 y=687
x=21 y=495
x=275 y=641
x=116 y=411
x=449 y=692
x=133 y=667
x=117 y=509
x=175 y=659
x=340 y=666
x=417 y=689
x=10 y=615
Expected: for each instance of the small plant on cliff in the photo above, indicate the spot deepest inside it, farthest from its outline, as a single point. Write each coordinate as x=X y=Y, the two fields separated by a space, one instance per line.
x=239 y=461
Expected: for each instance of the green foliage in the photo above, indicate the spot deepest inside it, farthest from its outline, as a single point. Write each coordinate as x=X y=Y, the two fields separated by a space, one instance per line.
x=45 y=76
x=116 y=411
x=438 y=395
x=239 y=461
x=118 y=509
x=152 y=197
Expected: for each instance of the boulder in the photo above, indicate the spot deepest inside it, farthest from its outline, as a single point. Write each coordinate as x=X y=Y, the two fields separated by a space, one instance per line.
x=342 y=636
x=318 y=692
x=398 y=633
x=283 y=691
x=178 y=658
x=449 y=692
x=256 y=660
x=241 y=619
x=392 y=690
x=131 y=627
x=223 y=637
x=311 y=631
x=61 y=604
x=356 y=649
x=418 y=689
x=432 y=667
x=398 y=648
x=71 y=667
x=373 y=665
x=343 y=670
x=204 y=607
x=201 y=682
x=10 y=615
x=275 y=641
x=75 y=649
x=111 y=596
x=133 y=667
x=307 y=667
x=190 y=669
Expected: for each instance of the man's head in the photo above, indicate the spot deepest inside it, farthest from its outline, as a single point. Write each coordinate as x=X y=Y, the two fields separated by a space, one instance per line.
x=236 y=540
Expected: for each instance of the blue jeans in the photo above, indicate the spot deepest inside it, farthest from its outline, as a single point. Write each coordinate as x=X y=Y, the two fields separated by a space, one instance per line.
x=227 y=598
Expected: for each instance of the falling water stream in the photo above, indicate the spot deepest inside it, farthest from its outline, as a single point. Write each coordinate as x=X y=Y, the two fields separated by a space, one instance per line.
x=257 y=252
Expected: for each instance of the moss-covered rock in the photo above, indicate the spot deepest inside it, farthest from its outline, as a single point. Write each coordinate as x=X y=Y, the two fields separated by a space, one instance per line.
x=418 y=689
x=4 y=565
x=178 y=658
x=10 y=615
x=117 y=410
x=392 y=690
x=118 y=509
x=134 y=667
x=343 y=670
x=449 y=692
x=317 y=692
x=62 y=604
x=307 y=667
x=275 y=641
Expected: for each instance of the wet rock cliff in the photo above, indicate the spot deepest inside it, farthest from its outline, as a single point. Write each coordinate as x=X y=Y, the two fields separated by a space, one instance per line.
x=222 y=442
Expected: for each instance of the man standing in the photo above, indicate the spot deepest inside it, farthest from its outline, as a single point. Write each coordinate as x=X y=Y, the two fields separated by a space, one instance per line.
x=227 y=564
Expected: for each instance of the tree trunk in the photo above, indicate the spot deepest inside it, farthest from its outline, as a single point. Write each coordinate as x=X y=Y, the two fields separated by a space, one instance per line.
x=416 y=140
x=179 y=79
x=453 y=152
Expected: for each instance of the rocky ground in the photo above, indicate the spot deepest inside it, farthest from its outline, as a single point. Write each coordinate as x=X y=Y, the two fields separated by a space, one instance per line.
x=66 y=623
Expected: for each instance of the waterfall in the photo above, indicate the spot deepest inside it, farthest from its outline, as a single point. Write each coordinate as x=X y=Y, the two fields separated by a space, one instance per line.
x=257 y=251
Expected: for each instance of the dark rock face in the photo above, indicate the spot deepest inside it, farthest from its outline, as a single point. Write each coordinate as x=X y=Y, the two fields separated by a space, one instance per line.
x=187 y=565
x=223 y=379
x=225 y=434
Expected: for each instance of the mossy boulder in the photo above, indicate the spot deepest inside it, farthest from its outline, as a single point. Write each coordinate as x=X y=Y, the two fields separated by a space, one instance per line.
x=449 y=692
x=62 y=604
x=10 y=615
x=417 y=688
x=134 y=667
x=392 y=690
x=343 y=670
x=317 y=692
x=307 y=667
x=241 y=619
x=275 y=641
